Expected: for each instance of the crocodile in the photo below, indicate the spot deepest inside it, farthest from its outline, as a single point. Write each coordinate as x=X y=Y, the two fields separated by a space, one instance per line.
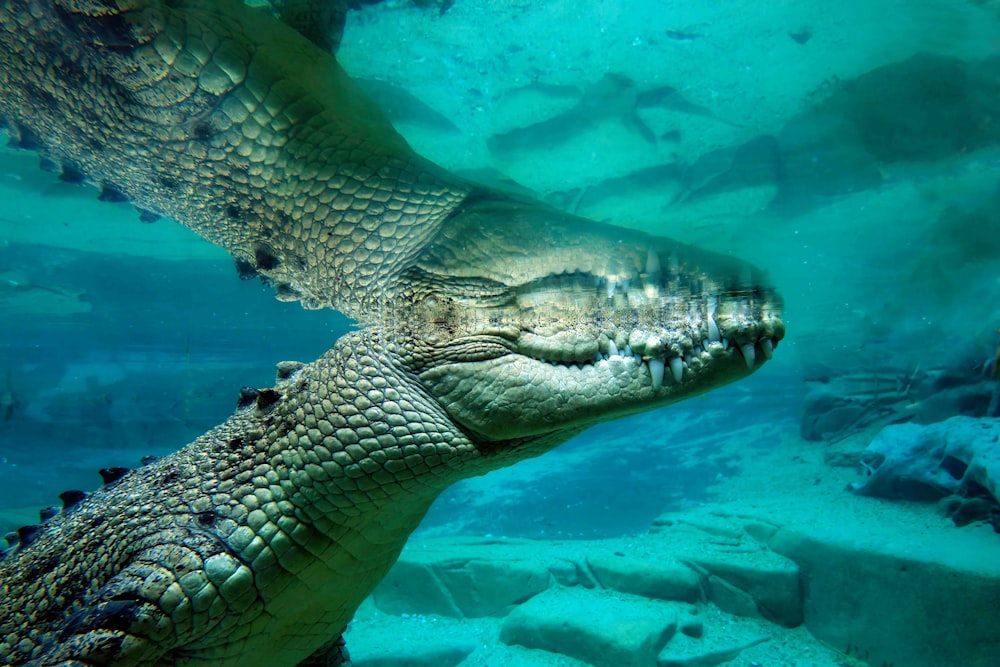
x=491 y=329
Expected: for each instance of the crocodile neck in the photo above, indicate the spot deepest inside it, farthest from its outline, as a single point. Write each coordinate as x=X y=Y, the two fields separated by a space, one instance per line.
x=185 y=109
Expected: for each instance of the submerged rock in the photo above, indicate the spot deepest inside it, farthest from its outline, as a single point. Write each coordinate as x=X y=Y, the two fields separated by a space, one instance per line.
x=960 y=456
x=603 y=629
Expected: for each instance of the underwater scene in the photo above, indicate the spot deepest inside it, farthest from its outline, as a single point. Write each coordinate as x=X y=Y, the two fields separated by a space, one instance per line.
x=662 y=334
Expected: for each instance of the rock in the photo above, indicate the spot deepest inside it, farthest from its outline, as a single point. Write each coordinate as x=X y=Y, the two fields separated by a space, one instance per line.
x=690 y=625
x=605 y=630
x=832 y=422
x=571 y=573
x=958 y=456
x=731 y=599
x=684 y=651
x=485 y=588
x=755 y=583
x=478 y=583
x=423 y=654
x=412 y=588
x=375 y=639
x=658 y=579
x=924 y=607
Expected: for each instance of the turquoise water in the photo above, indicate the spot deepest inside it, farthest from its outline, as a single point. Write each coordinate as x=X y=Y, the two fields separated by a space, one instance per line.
x=853 y=152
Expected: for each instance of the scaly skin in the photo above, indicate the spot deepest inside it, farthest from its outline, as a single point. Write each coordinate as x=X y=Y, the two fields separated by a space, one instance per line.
x=494 y=330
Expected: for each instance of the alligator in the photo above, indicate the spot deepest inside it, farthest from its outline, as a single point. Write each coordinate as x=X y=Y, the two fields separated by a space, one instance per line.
x=491 y=329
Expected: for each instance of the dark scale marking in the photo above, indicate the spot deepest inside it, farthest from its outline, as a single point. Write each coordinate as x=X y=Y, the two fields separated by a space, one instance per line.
x=109 y=615
x=202 y=131
x=110 y=193
x=24 y=138
x=71 y=174
x=42 y=98
x=12 y=539
x=109 y=30
x=71 y=498
x=207 y=518
x=247 y=397
x=147 y=216
x=266 y=258
x=237 y=443
x=112 y=475
x=28 y=533
x=47 y=513
x=266 y=398
x=245 y=270
x=147 y=460
x=234 y=212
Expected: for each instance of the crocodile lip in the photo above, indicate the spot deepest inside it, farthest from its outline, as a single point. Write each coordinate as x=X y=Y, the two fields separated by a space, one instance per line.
x=673 y=370
x=661 y=356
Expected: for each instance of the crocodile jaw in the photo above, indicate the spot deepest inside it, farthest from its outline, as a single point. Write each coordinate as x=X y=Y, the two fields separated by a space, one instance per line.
x=558 y=323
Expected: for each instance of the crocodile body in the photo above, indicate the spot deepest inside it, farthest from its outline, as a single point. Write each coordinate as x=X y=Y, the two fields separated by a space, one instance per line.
x=494 y=328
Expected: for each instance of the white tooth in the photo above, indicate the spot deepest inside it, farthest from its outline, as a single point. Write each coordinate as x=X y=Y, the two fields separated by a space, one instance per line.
x=768 y=347
x=612 y=349
x=713 y=330
x=625 y=284
x=628 y=350
x=598 y=357
x=748 y=353
x=677 y=368
x=704 y=343
x=611 y=287
x=725 y=343
x=656 y=372
x=652 y=263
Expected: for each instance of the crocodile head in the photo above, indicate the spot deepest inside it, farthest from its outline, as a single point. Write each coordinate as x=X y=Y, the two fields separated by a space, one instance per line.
x=524 y=322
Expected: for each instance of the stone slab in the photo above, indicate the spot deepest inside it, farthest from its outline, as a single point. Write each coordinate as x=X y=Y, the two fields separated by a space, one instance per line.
x=889 y=607
x=600 y=628
x=771 y=581
x=661 y=579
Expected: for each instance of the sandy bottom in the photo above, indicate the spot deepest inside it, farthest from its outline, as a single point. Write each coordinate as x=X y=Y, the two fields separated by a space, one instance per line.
x=788 y=485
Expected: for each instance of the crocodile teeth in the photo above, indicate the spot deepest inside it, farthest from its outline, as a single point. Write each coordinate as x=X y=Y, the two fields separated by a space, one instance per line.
x=748 y=353
x=713 y=330
x=656 y=372
x=652 y=263
x=677 y=368
x=612 y=349
x=768 y=347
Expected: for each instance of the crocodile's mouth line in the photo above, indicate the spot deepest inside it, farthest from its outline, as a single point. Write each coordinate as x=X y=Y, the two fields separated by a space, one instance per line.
x=673 y=369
